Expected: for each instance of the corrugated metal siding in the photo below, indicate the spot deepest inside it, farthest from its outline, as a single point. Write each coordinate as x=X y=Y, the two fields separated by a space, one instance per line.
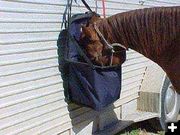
x=31 y=92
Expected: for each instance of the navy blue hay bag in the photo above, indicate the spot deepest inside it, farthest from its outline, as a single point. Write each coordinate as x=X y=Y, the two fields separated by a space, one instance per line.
x=84 y=83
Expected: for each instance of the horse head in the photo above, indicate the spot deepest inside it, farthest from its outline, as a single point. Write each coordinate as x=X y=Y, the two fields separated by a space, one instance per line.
x=90 y=41
x=97 y=51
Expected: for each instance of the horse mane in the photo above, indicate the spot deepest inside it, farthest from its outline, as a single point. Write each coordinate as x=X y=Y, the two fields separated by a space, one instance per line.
x=149 y=31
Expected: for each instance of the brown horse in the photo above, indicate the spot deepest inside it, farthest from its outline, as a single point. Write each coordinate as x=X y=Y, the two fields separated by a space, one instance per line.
x=153 y=32
x=99 y=53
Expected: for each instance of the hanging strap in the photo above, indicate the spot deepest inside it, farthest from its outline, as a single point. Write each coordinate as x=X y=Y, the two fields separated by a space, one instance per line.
x=66 y=14
x=64 y=19
x=86 y=5
x=69 y=11
x=96 y=3
x=104 y=8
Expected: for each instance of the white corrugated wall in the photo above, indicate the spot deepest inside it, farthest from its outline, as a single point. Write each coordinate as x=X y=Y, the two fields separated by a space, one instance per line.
x=31 y=92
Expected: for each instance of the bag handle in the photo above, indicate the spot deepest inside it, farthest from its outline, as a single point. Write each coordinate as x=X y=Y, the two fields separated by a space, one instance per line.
x=67 y=11
x=104 y=8
x=86 y=5
x=66 y=14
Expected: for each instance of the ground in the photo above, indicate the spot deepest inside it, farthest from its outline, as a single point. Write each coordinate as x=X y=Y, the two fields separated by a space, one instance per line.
x=143 y=128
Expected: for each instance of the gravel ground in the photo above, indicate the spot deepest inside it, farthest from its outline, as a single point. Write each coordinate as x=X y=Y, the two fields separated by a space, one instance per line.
x=149 y=127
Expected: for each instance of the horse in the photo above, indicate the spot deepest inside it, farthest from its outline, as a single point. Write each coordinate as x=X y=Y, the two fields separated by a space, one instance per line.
x=153 y=32
x=98 y=53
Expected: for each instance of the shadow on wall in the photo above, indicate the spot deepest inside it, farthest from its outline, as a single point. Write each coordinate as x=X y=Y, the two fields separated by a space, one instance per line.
x=87 y=121
x=84 y=120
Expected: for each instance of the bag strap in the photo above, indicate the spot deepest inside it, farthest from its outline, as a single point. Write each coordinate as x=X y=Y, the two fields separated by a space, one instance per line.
x=66 y=14
x=64 y=20
x=80 y=51
x=86 y=5
x=104 y=8
x=96 y=3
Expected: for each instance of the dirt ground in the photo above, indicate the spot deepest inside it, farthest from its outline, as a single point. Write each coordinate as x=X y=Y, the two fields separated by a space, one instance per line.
x=149 y=127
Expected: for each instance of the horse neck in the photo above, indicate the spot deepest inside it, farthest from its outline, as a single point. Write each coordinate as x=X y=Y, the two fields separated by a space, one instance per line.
x=116 y=30
x=146 y=33
x=135 y=30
